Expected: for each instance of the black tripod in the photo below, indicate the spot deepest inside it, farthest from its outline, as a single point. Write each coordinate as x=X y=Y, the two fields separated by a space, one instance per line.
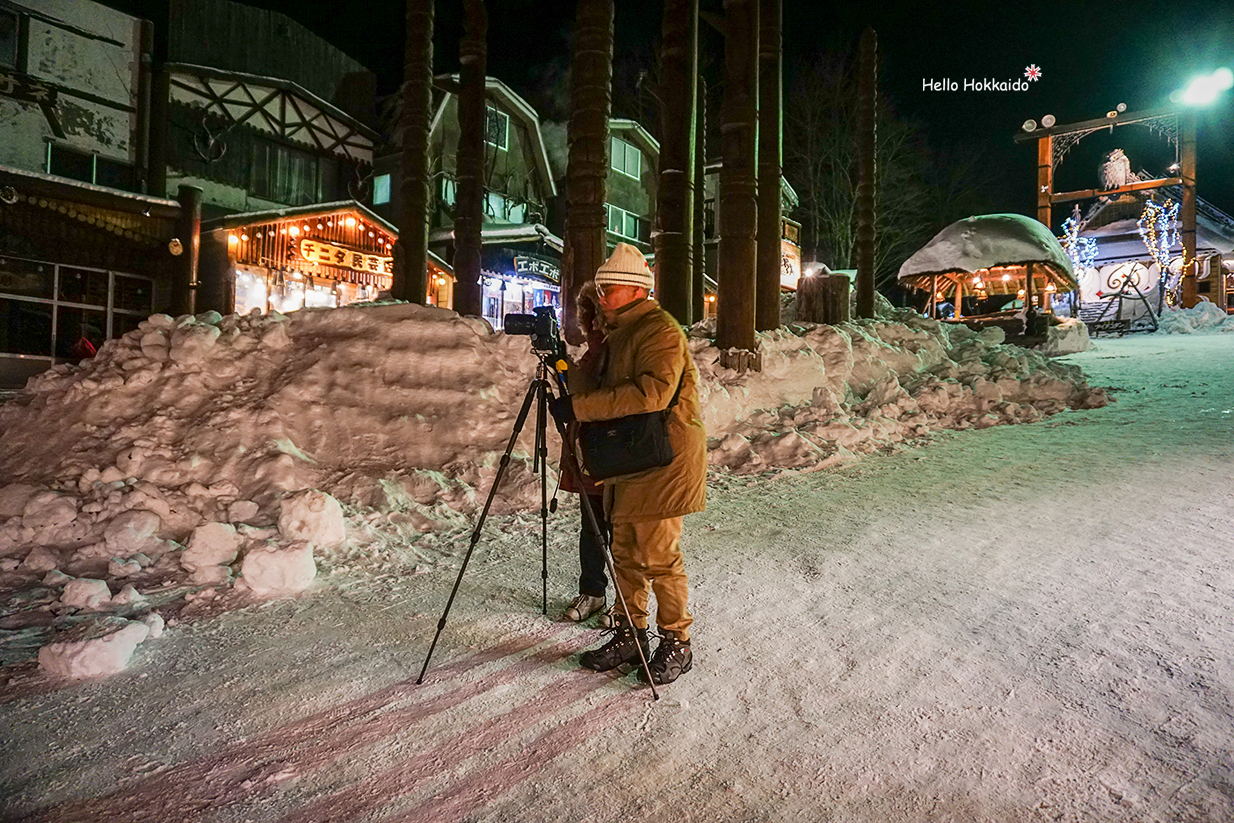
x=539 y=392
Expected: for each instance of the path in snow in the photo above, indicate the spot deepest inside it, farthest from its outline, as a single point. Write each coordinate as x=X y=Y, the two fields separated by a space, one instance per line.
x=1021 y=623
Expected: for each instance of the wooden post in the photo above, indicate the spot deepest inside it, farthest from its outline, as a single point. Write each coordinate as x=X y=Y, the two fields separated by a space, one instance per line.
x=674 y=243
x=469 y=196
x=1187 y=129
x=1045 y=178
x=823 y=298
x=770 y=158
x=698 y=286
x=188 y=230
x=410 y=281
x=1028 y=291
x=587 y=166
x=738 y=189
x=867 y=102
x=933 y=304
x=959 y=297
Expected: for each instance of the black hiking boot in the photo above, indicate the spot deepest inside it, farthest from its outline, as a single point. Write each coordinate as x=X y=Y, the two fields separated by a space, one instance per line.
x=621 y=649
x=671 y=660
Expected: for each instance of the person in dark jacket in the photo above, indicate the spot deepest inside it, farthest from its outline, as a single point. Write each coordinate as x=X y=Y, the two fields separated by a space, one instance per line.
x=592 y=580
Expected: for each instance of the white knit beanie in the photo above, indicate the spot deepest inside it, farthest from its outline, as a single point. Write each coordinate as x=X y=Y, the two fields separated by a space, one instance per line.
x=626 y=267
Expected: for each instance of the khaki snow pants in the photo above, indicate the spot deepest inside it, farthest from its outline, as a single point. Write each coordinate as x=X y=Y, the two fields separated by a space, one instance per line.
x=647 y=557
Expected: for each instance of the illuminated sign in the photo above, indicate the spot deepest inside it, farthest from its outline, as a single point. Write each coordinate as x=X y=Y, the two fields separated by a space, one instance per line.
x=329 y=254
x=540 y=268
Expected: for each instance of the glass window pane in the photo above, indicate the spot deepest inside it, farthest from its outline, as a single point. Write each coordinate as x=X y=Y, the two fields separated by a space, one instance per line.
x=8 y=38
x=83 y=286
x=72 y=164
x=617 y=156
x=614 y=220
x=114 y=174
x=25 y=327
x=381 y=189
x=631 y=226
x=133 y=294
x=26 y=277
x=79 y=332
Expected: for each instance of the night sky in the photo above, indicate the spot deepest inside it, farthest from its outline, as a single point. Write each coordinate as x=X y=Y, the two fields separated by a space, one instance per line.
x=1092 y=56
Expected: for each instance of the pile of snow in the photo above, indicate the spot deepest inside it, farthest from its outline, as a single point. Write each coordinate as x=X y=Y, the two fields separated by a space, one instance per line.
x=1066 y=337
x=1205 y=318
x=238 y=453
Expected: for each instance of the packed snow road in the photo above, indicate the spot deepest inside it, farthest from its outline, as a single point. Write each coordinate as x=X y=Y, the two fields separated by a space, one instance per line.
x=1022 y=623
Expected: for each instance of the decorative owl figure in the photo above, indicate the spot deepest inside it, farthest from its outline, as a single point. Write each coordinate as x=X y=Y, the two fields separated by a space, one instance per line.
x=1115 y=171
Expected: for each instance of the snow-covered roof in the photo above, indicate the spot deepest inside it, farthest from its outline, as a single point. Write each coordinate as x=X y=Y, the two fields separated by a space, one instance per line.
x=509 y=233
x=989 y=241
x=248 y=218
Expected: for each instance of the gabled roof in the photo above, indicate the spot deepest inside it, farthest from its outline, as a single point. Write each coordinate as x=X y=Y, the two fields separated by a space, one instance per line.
x=496 y=90
x=633 y=131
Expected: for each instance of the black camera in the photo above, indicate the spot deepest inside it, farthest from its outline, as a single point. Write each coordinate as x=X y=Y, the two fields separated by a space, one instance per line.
x=541 y=326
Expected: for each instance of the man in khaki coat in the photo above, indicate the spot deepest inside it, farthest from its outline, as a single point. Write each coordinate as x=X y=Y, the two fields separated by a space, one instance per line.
x=647 y=358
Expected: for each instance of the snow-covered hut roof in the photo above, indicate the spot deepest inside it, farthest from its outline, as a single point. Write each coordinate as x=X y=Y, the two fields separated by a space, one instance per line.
x=1006 y=242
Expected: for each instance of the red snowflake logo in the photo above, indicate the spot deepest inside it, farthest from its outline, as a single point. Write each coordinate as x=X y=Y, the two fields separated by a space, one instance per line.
x=1032 y=72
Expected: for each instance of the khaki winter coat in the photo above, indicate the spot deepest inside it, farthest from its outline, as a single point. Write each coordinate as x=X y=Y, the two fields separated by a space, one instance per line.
x=647 y=354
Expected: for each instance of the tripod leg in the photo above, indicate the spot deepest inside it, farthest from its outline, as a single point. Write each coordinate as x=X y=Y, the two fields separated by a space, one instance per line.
x=589 y=517
x=475 y=535
x=542 y=454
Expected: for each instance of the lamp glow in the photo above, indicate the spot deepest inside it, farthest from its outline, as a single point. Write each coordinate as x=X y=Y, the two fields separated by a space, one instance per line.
x=1204 y=89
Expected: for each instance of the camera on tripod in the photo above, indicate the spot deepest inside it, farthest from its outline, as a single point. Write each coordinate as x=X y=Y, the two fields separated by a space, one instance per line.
x=542 y=326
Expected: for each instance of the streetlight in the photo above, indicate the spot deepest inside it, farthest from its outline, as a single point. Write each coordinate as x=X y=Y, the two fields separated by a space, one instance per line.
x=1204 y=89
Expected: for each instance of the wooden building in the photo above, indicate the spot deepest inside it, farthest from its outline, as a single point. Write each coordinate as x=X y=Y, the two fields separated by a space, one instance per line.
x=324 y=255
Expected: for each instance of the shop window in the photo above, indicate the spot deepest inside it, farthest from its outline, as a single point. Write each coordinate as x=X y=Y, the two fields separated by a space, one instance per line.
x=26 y=278
x=79 y=332
x=496 y=128
x=25 y=327
x=82 y=286
x=113 y=174
x=626 y=158
x=448 y=191
x=10 y=35
x=122 y=324
x=284 y=175
x=133 y=294
x=381 y=189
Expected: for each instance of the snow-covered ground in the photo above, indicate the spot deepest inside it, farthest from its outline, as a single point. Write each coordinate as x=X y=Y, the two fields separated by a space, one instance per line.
x=1024 y=622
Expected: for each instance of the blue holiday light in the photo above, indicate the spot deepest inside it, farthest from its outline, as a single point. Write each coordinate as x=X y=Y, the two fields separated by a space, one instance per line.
x=1081 y=250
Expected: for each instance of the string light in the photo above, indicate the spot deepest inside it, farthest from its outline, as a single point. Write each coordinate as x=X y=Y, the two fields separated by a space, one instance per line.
x=1158 y=227
x=1081 y=250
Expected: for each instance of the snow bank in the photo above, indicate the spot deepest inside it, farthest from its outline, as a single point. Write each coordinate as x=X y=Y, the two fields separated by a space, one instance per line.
x=1205 y=318
x=1068 y=337
x=196 y=449
x=97 y=649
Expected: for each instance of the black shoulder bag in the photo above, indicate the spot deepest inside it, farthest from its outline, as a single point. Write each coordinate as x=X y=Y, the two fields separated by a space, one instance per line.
x=630 y=444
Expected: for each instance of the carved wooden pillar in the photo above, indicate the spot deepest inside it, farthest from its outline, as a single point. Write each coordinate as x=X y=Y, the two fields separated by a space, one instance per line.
x=469 y=195
x=770 y=158
x=411 y=269
x=587 y=169
x=674 y=243
x=866 y=170
x=738 y=188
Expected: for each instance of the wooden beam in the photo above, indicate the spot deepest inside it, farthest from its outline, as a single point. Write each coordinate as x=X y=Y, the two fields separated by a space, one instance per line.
x=1045 y=179
x=1088 y=194
x=1124 y=119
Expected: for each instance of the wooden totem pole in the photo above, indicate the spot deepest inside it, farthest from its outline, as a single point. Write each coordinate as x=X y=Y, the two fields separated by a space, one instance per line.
x=674 y=243
x=587 y=166
x=770 y=160
x=469 y=198
x=411 y=261
x=739 y=188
